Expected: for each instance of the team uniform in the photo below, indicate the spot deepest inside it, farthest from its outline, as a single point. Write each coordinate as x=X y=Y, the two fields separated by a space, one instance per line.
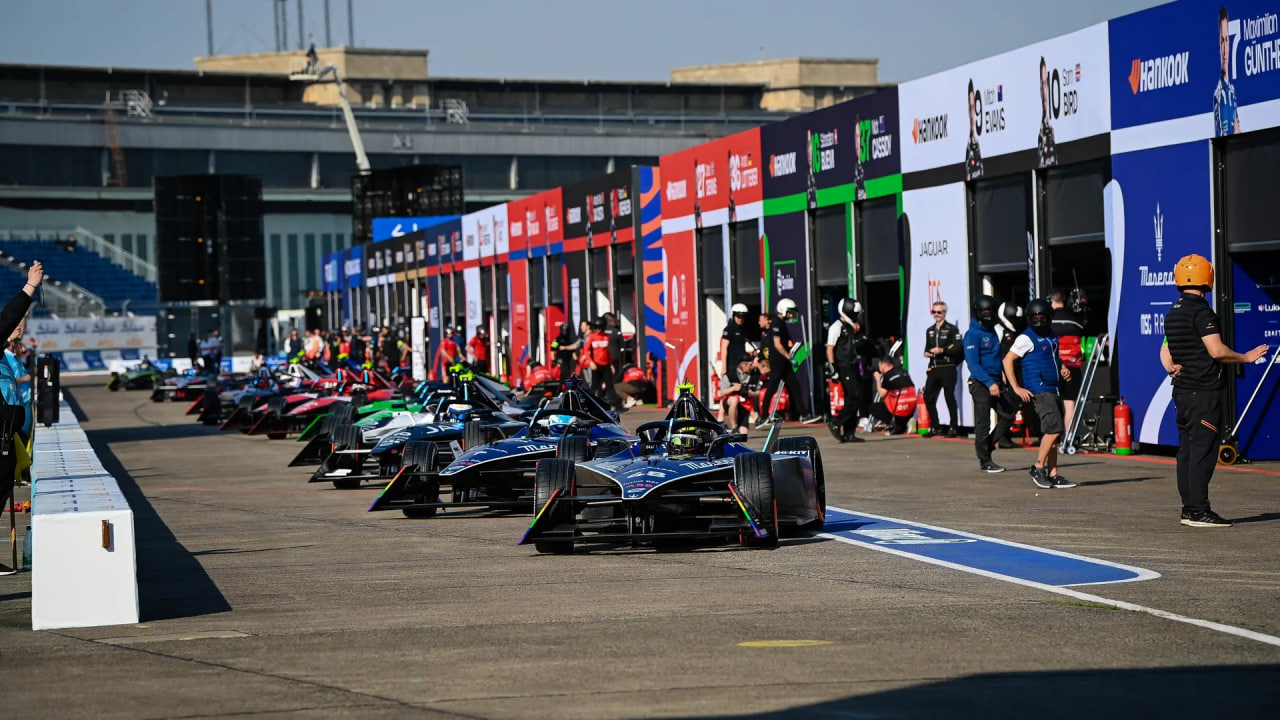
x=972 y=160
x=1197 y=394
x=1225 y=108
x=944 y=370
x=781 y=373
x=1046 y=148
x=849 y=348
x=983 y=353
x=1040 y=375
x=1069 y=329
x=899 y=400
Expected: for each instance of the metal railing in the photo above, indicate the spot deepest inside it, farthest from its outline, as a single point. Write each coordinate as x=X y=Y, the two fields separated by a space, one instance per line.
x=68 y=298
x=116 y=254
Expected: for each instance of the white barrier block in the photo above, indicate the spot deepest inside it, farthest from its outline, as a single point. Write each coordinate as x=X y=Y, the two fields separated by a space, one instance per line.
x=84 y=564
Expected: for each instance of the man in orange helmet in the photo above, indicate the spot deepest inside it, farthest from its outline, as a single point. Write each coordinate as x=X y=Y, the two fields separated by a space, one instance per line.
x=1193 y=354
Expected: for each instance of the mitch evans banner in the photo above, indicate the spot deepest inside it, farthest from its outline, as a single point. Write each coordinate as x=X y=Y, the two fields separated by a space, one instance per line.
x=61 y=334
x=1157 y=210
x=1215 y=64
x=600 y=209
x=1041 y=105
x=937 y=268
x=841 y=146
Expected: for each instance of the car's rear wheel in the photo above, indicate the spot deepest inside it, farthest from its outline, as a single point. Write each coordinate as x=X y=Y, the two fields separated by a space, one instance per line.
x=810 y=446
x=753 y=476
x=343 y=412
x=420 y=457
x=574 y=448
x=551 y=475
x=346 y=437
x=474 y=435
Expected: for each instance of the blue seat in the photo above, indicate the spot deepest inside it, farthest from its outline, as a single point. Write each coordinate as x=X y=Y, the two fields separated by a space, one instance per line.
x=91 y=271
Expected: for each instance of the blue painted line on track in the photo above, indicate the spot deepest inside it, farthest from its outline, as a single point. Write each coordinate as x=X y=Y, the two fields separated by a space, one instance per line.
x=991 y=557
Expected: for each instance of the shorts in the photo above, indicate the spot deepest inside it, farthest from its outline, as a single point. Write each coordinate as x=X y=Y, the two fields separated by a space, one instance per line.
x=1070 y=389
x=1049 y=409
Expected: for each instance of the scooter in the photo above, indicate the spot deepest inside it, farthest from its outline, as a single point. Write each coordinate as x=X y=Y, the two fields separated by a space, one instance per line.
x=1229 y=452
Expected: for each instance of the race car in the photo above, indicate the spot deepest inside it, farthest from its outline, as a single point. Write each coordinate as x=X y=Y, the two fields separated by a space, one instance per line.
x=472 y=415
x=499 y=474
x=686 y=481
x=143 y=376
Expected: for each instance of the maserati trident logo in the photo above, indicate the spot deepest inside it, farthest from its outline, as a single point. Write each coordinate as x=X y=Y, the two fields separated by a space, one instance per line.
x=1159 y=225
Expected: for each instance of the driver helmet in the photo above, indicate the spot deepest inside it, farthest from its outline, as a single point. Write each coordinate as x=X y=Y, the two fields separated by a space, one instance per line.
x=686 y=445
x=459 y=412
x=557 y=424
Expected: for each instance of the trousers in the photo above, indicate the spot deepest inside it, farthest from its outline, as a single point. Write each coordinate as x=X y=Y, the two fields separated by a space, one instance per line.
x=854 y=404
x=941 y=379
x=1199 y=421
x=984 y=438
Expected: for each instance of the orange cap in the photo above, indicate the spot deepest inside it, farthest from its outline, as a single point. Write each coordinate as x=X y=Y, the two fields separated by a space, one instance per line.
x=1194 y=271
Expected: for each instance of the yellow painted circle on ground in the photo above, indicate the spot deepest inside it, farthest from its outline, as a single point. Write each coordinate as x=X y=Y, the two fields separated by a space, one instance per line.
x=783 y=643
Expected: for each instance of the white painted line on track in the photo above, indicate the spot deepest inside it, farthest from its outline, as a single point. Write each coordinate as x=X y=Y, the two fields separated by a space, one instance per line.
x=1058 y=590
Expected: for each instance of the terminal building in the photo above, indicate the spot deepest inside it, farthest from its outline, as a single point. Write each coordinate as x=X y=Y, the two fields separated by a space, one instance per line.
x=80 y=146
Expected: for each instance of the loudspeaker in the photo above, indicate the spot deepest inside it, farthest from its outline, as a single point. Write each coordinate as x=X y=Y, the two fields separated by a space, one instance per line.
x=209 y=238
x=48 y=387
x=407 y=191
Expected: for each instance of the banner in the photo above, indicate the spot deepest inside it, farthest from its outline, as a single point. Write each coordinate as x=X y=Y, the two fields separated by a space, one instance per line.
x=389 y=227
x=599 y=210
x=1158 y=210
x=470 y=238
x=116 y=333
x=937 y=270
x=331 y=272
x=353 y=266
x=418 y=341
x=840 y=147
x=1256 y=320
x=653 y=263
x=1215 y=64
x=471 y=278
x=1041 y=105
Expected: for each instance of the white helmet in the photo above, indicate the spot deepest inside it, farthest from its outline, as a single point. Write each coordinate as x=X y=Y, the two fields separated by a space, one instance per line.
x=850 y=310
x=738 y=309
x=786 y=305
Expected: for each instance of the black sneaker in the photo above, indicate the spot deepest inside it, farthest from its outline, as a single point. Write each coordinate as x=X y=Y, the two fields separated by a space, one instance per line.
x=951 y=432
x=853 y=438
x=810 y=419
x=1060 y=482
x=1040 y=477
x=990 y=467
x=836 y=432
x=1206 y=519
x=1006 y=444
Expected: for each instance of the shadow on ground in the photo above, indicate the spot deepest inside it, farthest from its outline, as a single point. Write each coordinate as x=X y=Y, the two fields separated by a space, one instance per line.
x=171 y=582
x=1236 y=691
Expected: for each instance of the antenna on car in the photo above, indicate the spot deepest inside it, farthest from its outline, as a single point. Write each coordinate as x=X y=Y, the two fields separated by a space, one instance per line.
x=771 y=439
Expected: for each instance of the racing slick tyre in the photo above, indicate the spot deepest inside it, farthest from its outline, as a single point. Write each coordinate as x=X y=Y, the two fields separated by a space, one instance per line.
x=420 y=457
x=753 y=476
x=346 y=437
x=359 y=398
x=246 y=402
x=115 y=382
x=810 y=446
x=473 y=435
x=611 y=447
x=343 y=412
x=551 y=475
x=574 y=448
x=275 y=408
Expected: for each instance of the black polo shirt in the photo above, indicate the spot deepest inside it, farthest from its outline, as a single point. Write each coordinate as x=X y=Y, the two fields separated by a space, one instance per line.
x=737 y=336
x=778 y=329
x=1188 y=321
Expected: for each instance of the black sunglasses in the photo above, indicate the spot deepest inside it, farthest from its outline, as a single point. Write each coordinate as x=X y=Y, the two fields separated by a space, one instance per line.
x=937 y=312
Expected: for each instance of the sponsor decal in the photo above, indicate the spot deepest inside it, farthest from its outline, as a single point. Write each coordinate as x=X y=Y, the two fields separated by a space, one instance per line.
x=574 y=215
x=743 y=173
x=1149 y=278
x=1159 y=73
x=705 y=181
x=876 y=142
x=1259 y=55
x=706 y=464
x=989 y=105
x=933 y=247
x=782 y=165
x=822 y=150
x=620 y=202
x=517 y=229
x=677 y=190
x=1159 y=225
x=929 y=129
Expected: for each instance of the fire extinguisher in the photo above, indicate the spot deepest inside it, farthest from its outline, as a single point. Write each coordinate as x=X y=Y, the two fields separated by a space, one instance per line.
x=835 y=395
x=922 y=416
x=1124 y=428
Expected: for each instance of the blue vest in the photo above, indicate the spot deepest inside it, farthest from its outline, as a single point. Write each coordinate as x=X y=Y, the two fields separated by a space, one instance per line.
x=1040 y=365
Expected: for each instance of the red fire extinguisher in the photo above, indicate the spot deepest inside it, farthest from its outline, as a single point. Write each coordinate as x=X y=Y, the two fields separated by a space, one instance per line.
x=835 y=394
x=922 y=415
x=1124 y=428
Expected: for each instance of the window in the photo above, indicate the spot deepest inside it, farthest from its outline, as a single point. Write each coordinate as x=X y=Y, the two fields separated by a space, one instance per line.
x=711 y=260
x=126 y=242
x=309 y=267
x=1073 y=204
x=275 y=259
x=277 y=169
x=1248 y=189
x=51 y=166
x=288 y=281
x=878 y=239
x=504 y=293
x=600 y=276
x=536 y=267
x=486 y=289
x=336 y=169
x=1001 y=223
x=536 y=172
x=746 y=258
x=831 y=243
x=555 y=283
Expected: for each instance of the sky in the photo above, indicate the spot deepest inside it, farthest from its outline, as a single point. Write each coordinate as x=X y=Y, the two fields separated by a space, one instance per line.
x=596 y=39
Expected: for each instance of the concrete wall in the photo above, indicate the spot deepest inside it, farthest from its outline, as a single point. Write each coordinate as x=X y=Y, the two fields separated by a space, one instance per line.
x=794 y=83
x=382 y=65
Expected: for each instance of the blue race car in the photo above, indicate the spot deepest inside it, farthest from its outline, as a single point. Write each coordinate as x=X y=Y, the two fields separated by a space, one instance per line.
x=686 y=480
x=498 y=474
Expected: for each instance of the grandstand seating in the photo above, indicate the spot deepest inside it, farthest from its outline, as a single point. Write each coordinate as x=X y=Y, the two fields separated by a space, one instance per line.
x=89 y=270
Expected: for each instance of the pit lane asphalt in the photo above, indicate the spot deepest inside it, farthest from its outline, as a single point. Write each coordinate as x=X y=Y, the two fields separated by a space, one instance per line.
x=264 y=595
